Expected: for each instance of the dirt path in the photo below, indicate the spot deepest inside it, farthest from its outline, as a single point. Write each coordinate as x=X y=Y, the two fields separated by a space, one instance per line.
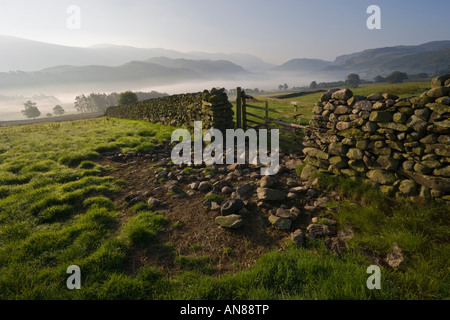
x=192 y=230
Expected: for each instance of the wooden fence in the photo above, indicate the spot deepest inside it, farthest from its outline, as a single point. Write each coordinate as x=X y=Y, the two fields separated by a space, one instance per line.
x=290 y=133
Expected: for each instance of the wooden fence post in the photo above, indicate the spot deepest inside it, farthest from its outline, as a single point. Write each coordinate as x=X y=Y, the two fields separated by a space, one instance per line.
x=238 y=108
x=267 y=115
x=244 y=112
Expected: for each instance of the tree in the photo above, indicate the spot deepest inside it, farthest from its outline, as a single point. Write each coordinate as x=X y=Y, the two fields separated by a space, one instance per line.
x=353 y=80
x=58 y=110
x=313 y=85
x=397 y=77
x=126 y=98
x=49 y=115
x=31 y=110
x=280 y=87
x=379 y=79
x=285 y=86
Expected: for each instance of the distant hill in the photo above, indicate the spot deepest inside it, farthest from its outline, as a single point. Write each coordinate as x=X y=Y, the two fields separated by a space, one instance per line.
x=428 y=57
x=29 y=55
x=302 y=65
x=132 y=73
x=207 y=68
x=154 y=71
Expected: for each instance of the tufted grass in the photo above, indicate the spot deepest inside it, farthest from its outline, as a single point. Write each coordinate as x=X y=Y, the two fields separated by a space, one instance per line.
x=56 y=211
x=55 y=207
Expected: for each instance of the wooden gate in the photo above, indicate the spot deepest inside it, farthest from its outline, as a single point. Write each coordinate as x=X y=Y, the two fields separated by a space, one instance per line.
x=290 y=133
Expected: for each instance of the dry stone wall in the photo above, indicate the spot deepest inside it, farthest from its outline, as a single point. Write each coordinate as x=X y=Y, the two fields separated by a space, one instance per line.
x=210 y=107
x=401 y=145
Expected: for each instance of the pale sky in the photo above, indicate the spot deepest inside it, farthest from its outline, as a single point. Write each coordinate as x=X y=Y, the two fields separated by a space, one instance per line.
x=276 y=31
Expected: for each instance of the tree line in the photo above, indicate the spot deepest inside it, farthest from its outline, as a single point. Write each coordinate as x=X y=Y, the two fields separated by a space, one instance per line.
x=93 y=103
x=99 y=102
x=353 y=80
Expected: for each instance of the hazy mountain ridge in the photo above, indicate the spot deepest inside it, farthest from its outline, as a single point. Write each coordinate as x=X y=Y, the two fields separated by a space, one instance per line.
x=203 y=67
x=302 y=64
x=67 y=75
x=428 y=57
x=107 y=63
x=29 y=55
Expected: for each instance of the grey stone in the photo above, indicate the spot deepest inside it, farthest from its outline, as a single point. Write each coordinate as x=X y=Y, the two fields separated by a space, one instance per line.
x=342 y=110
x=408 y=187
x=281 y=223
x=336 y=245
x=355 y=154
x=381 y=116
x=291 y=183
x=204 y=186
x=388 y=163
x=438 y=92
x=400 y=117
x=421 y=168
x=363 y=105
x=282 y=213
x=270 y=194
x=381 y=176
x=162 y=175
x=307 y=172
x=379 y=106
x=423 y=114
x=316 y=153
x=430 y=182
x=444 y=172
x=299 y=189
x=318 y=230
x=267 y=182
x=233 y=221
x=297 y=237
x=417 y=124
x=338 y=149
x=375 y=97
x=226 y=190
x=194 y=186
x=154 y=202
x=370 y=127
x=339 y=162
x=232 y=206
x=439 y=81
x=444 y=100
x=343 y=94
x=244 y=189
x=294 y=213
x=292 y=196
x=312 y=193
x=395 y=257
x=215 y=206
x=343 y=125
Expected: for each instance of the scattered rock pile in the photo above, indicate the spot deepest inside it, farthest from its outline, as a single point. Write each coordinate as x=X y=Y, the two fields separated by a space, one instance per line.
x=401 y=145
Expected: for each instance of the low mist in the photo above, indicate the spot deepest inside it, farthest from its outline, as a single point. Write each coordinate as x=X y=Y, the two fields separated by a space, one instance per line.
x=46 y=97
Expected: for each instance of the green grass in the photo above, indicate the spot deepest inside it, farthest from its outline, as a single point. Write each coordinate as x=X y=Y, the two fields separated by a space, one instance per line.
x=55 y=207
x=214 y=198
x=422 y=231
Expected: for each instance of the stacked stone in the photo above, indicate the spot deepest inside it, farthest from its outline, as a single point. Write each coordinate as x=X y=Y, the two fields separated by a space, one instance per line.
x=217 y=111
x=210 y=107
x=401 y=145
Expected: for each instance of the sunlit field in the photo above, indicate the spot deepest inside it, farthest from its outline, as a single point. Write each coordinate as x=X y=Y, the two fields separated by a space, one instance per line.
x=57 y=210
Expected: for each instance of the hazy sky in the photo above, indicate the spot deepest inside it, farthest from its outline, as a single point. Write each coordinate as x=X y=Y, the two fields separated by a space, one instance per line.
x=276 y=31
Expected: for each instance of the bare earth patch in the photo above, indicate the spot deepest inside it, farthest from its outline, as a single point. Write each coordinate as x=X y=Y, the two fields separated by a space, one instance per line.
x=192 y=230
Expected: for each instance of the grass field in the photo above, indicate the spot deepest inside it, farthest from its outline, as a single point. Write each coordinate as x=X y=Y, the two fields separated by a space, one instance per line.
x=56 y=211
